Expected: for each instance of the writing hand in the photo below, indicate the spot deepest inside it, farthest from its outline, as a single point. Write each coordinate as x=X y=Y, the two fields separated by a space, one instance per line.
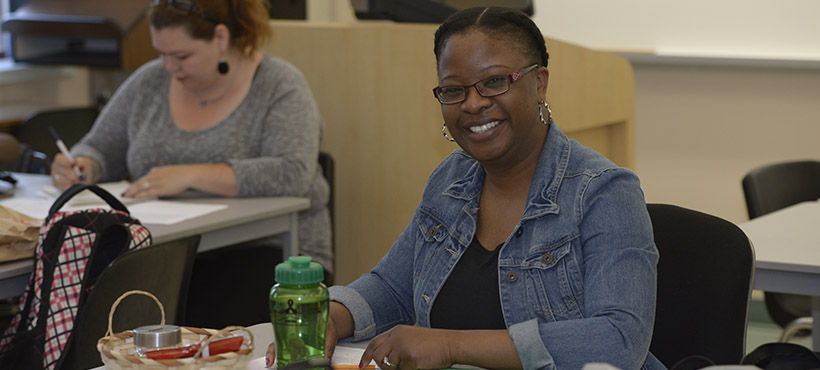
x=411 y=347
x=63 y=174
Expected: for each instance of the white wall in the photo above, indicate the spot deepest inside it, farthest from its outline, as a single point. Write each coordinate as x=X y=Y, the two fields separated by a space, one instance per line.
x=701 y=124
x=699 y=129
x=782 y=29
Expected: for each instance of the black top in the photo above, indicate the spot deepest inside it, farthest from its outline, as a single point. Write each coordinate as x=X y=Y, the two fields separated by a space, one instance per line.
x=470 y=298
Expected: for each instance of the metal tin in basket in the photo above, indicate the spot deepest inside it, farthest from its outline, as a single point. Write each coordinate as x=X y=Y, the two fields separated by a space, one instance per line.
x=151 y=337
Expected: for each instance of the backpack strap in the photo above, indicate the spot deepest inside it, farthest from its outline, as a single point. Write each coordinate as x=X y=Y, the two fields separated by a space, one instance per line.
x=76 y=189
x=112 y=242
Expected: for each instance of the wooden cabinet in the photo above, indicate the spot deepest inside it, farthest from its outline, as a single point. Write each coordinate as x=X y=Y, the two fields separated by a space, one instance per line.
x=98 y=33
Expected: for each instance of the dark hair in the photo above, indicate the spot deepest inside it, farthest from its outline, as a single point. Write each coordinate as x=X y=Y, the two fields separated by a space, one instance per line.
x=248 y=20
x=496 y=22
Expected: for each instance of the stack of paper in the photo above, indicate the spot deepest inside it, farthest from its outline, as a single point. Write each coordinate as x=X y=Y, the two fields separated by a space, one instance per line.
x=87 y=197
x=147 y=210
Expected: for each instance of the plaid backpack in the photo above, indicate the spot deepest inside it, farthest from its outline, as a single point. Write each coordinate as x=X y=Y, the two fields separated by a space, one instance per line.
x=73 y=250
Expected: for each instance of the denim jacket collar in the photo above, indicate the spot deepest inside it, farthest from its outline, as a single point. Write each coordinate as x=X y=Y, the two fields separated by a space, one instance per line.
x=551 y=169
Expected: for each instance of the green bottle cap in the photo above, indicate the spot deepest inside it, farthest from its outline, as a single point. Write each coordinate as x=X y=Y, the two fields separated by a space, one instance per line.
x=299 y=270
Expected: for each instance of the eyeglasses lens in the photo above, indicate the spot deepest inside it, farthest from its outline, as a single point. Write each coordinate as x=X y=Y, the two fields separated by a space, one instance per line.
x=494 y=86
x=490 y=87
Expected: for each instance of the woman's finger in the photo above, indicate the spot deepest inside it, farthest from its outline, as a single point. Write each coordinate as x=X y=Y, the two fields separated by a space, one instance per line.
x=270 y=355
x=374 y=350
x=141 y=188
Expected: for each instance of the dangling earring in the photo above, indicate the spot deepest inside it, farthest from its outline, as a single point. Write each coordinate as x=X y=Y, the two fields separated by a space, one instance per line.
x=443 y=132
x=222 y=67
x=541 y=114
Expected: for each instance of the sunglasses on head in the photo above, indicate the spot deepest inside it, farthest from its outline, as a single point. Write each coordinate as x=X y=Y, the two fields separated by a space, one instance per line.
x=186 y=7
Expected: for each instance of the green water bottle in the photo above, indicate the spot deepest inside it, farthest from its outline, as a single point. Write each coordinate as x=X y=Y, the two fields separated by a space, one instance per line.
x=298 y=310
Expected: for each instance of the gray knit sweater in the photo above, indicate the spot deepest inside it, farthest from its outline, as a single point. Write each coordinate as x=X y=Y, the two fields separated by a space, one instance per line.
x=271 y=141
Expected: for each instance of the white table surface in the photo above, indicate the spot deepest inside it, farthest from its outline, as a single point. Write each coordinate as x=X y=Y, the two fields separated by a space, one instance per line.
x=787 y=254
x=243 y=220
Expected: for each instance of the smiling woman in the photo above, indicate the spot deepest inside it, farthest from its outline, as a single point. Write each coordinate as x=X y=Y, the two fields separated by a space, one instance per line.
x=527 y=249
x=212 y=114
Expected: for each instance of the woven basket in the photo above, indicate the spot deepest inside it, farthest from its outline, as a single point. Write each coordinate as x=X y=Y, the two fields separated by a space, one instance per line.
x=118 y=352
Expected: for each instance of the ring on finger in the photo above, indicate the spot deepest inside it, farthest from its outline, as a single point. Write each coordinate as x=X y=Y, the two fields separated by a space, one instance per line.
x=146 y=185
x=56 y=177
x=388 y=363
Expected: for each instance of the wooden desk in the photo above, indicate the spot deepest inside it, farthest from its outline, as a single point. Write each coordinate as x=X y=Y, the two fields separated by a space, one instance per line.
x=787 y=254
x=245 y=219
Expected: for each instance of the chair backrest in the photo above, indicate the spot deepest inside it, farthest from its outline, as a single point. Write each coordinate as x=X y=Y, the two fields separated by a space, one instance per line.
x=705 y=279
x=163 y=270
x=775 y=186
x=328 y=171
x=70 y=123
x=28 y=161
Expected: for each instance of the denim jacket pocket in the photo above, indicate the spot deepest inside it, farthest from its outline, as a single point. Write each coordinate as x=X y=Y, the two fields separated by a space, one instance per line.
x=435 y=248
x=552 y=280
x=431 y=227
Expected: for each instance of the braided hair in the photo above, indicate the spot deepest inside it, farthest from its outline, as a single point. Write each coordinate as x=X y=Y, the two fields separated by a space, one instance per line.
x=496 y=22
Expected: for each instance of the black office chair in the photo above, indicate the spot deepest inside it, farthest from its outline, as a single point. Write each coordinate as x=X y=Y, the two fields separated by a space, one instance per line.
x=163 y=270
x=28 y=161
x=768 y=189
x=705 y=279
x=328 y=171
x=70 y=123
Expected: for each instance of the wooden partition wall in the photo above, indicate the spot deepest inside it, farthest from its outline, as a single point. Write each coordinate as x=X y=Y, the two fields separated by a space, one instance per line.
x=373 y=84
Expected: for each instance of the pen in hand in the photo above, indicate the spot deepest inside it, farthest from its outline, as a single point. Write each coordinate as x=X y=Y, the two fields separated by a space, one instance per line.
x=64 y=150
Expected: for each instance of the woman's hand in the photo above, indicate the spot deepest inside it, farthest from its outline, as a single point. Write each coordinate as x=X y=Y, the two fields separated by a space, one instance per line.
x=162 y=181
x=411 y=347
x=63 y=175
x=331 y=338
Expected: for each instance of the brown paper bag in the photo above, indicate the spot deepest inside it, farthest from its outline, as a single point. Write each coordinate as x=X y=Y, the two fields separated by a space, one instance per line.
x=18 y=235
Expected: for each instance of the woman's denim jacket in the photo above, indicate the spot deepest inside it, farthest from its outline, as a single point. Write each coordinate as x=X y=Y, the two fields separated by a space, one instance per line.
x=576 y=276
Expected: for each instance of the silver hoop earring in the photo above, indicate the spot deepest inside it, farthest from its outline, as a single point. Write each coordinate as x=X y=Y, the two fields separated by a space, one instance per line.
x=444 y=132
x=546 y=122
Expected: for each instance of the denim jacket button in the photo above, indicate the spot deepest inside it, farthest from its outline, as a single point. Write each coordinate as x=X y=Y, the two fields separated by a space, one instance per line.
x=546 y=258
x=512 y=276
x=519 y=232
x=433 y=231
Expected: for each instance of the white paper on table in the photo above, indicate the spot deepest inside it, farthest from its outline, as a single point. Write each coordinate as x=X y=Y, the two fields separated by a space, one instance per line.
x=167 y=212
x=162 y=212
x=349 y=354
x=86 y=197
x=38 y=207
x=32 y=207
x=341 y=356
